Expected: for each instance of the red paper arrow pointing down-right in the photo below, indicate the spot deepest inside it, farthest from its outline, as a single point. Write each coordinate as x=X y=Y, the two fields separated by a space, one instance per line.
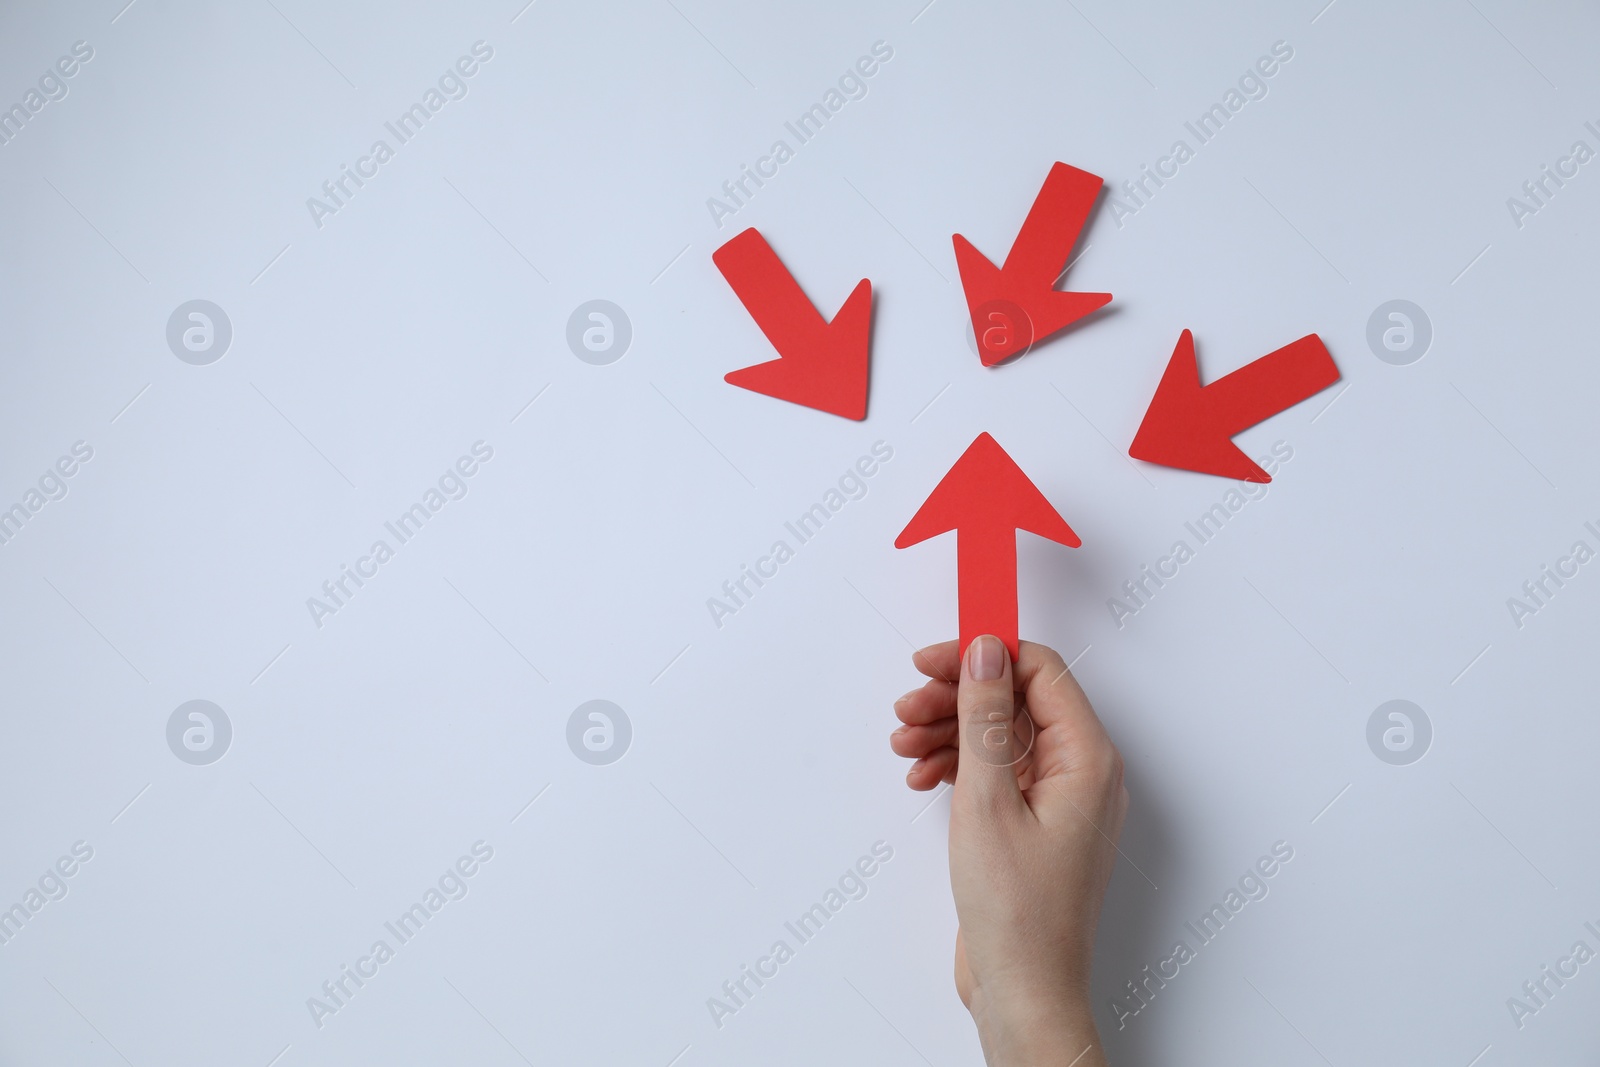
x=986 y=499
x=1017 y=304
x=1190 y=426
x=820 y=364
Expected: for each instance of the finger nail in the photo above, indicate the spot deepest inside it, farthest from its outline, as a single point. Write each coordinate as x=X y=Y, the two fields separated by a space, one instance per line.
x=986 y=659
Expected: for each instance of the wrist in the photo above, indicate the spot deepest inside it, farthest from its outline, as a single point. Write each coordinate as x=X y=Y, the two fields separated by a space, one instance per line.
x=1053 y=1032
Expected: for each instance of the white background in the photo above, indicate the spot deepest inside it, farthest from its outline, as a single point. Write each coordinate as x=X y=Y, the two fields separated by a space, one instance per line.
x=369 y=353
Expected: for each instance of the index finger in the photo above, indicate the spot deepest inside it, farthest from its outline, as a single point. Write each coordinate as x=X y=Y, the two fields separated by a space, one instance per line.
x=941 y=661
x=1050 y=687
x=1068 y=725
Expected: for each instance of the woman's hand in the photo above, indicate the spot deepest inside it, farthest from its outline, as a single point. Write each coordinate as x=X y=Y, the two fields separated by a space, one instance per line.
x=1034 y=817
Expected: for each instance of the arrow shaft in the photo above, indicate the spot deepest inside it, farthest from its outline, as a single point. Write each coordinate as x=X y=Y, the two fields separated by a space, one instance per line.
x=1052 y=226
x=986 y=583
x=1276 y=381
x=769 y=292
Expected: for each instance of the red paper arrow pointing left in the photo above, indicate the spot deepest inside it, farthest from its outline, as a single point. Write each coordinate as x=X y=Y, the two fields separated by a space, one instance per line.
x=986 y=499
x=820 y=364
x=1190 y=426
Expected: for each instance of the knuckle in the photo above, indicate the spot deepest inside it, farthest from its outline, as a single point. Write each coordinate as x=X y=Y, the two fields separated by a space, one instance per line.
x=1106 y=766
x=1052 y=659
x=987 y=734
x=990 y=709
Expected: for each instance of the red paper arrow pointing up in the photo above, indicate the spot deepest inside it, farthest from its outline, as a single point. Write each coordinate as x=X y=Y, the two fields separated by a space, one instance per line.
x=986 y=499
x=1018 y=304
x=1190 y=427
x=820 y=364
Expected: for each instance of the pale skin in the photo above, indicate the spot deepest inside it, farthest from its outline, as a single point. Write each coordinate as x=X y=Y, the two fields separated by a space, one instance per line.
x=1033 y=832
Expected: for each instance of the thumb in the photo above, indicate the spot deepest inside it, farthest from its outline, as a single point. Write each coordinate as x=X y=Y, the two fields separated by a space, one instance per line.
x=986 y=711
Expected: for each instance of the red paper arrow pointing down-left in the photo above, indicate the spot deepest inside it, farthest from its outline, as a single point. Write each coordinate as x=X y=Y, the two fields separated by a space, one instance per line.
x=1016 y=304
x=986 y=499
x=820 y=364
x=1191 y=426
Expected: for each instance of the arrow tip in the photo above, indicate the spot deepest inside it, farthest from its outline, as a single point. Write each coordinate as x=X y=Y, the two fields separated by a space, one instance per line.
x=1010 y=314
x=1180 y=431
x=820 y=364
x=985 y=489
